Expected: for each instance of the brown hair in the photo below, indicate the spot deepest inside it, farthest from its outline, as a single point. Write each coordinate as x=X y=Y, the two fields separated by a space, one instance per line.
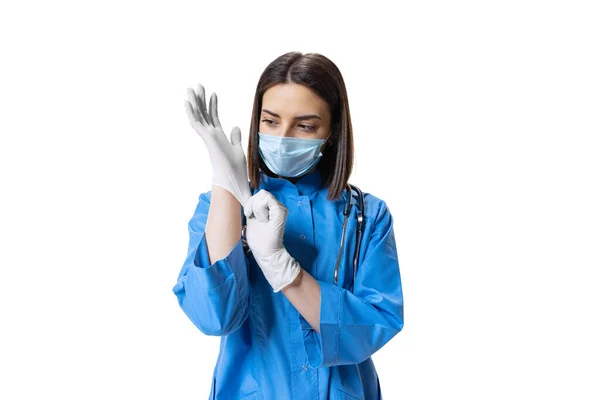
x=321 y=75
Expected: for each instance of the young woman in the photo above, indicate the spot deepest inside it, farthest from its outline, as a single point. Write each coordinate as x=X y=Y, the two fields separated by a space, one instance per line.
x=299 y=312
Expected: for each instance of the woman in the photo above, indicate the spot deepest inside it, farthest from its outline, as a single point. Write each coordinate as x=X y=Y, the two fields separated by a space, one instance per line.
x=290 y=327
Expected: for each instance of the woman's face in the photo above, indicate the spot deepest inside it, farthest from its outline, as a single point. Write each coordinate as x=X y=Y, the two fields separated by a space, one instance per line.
x=293 y=110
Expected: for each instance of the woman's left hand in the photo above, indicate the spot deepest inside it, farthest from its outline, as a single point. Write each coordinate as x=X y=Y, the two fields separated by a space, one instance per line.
x=265 y=226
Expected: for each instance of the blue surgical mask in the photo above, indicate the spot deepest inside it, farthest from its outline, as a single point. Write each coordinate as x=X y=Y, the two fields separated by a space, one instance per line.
x=288 y=156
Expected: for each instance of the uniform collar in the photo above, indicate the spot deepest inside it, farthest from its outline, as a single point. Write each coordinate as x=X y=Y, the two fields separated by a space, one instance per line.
x=307 y=184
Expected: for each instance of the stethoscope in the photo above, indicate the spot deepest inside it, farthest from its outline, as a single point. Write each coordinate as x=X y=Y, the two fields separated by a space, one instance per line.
x=360 y=216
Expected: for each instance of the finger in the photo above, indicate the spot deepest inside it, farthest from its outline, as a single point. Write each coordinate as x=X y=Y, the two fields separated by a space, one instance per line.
x=278 y=213
x=248 y=207
x=190 y=111
x=268 y=207
x=236 y=136
x=192 y=117
x=257 y=206
x=193 y=99
x=261 y=211
x=202 y=103
x=198 y=127
x=208 y=116
x=268 y=198
x=214 y=115
x=274 y=207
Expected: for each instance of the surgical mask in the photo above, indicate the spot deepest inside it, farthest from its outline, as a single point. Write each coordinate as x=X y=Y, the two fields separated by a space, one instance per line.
x=287 y=156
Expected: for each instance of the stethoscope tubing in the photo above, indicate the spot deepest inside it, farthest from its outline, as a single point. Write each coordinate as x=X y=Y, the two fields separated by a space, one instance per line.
x=359 y=231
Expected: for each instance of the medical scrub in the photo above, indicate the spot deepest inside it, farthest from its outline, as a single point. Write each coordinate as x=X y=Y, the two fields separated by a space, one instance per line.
x=267 y=349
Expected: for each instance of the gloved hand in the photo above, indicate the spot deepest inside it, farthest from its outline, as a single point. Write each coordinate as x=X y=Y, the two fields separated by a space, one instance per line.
x=265 y=226
x=227 y=158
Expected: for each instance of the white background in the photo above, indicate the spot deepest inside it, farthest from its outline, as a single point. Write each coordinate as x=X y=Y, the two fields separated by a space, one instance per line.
x=477 y=122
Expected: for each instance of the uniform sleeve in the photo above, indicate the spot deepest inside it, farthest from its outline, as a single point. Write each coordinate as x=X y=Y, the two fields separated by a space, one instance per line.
x=354 y=326
x=214 y=297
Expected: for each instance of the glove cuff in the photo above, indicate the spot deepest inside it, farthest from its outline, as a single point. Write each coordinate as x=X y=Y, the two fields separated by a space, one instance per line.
x=281 y=269
x=242 y=194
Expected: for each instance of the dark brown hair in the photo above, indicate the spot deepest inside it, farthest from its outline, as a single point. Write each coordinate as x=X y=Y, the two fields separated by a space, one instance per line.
x=321 y=75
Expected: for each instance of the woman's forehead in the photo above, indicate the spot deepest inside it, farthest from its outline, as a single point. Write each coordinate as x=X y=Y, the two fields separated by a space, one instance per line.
x=292 y=99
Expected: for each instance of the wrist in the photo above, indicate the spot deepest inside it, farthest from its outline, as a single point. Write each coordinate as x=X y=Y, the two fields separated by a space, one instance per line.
x=296 y=282
x=281 y=269
x=292 y=280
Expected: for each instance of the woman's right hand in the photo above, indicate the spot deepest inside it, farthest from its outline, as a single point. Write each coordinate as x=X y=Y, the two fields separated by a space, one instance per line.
x=227 y=158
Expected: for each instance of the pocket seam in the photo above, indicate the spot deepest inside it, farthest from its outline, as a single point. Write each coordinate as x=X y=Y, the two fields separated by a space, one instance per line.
x=251 y=396
x=346 y=395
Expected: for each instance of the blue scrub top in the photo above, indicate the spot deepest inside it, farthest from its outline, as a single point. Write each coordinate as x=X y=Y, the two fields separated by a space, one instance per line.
x=268 y=350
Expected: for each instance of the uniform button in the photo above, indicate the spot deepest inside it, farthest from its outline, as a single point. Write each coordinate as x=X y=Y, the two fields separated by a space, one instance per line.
x=304 y=368
x=299 y=203
x=303 y=236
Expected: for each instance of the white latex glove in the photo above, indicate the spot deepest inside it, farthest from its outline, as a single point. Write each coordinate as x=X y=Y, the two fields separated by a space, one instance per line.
x=227 y=158
x=265 y=226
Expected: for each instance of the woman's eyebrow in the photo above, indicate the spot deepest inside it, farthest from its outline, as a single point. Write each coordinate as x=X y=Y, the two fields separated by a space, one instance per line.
x=299 y=117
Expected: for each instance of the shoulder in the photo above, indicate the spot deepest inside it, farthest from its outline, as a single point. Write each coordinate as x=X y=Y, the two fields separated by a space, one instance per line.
x=205 y=197
x=202 y=205
x=381 y=220
x=375 y=207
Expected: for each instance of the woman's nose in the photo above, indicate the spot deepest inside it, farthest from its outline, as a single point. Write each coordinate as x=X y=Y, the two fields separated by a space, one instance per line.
x=286 y=131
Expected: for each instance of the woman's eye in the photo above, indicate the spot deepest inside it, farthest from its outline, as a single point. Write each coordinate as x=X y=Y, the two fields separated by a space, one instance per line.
x=268 y=121
x=307 y=127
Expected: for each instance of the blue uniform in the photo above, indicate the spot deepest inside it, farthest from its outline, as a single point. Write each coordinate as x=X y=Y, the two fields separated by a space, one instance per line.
x=268 y=350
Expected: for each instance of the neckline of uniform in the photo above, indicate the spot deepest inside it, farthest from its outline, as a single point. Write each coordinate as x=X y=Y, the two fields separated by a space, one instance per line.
x=307 y=184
